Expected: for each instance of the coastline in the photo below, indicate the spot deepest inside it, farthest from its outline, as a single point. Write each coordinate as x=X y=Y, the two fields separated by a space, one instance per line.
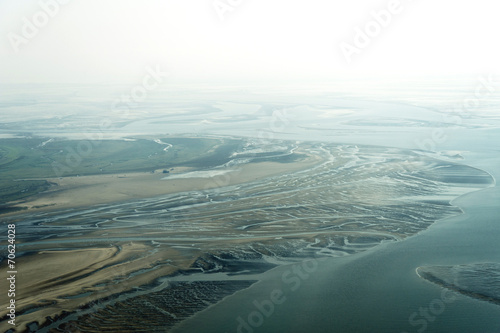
x=218 y=310
x=255 y=174
x=77 y=192
x=85 y=191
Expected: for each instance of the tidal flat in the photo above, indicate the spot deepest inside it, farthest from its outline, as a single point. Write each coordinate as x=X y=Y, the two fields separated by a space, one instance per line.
x=477 y=280
x=82 y=266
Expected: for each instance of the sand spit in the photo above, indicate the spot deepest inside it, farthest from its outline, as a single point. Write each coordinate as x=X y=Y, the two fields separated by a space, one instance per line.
x=478 y=280
x=73 y=192
x=337 y=201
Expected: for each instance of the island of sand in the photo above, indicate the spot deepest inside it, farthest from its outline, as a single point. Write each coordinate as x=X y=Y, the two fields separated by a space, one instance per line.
x=150 y=220
x=478 y=280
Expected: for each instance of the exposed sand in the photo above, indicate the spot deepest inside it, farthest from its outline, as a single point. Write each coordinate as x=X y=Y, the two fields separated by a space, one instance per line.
x=71 y=192
x=47 y=278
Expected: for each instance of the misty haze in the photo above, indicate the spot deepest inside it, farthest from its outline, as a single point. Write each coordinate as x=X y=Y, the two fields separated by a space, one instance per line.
x=235 y=166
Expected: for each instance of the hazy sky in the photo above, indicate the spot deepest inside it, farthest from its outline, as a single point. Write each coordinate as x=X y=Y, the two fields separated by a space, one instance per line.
x=244 y=40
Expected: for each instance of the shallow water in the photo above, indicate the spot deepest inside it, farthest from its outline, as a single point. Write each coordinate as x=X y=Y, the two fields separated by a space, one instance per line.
x=379 y=290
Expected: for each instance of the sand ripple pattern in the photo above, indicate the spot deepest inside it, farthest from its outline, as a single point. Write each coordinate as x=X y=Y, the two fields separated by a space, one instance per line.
x=352 y=200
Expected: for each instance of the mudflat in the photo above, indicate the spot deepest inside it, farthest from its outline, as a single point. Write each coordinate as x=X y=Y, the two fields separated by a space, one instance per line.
x=84 y=191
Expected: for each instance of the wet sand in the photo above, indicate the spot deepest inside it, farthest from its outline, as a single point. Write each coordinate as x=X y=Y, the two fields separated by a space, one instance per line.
x=66 y=277
x=74 y=192
x=335 y=208
x=54 y=282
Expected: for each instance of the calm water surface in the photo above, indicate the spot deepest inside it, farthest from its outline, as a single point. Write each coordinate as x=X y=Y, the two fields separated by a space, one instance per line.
x=378 y=291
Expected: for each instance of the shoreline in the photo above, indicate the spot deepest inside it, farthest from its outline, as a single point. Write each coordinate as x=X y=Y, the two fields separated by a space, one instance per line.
x=341 y=262
x=74 y=192
x=255 y=166
x=83 y=191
